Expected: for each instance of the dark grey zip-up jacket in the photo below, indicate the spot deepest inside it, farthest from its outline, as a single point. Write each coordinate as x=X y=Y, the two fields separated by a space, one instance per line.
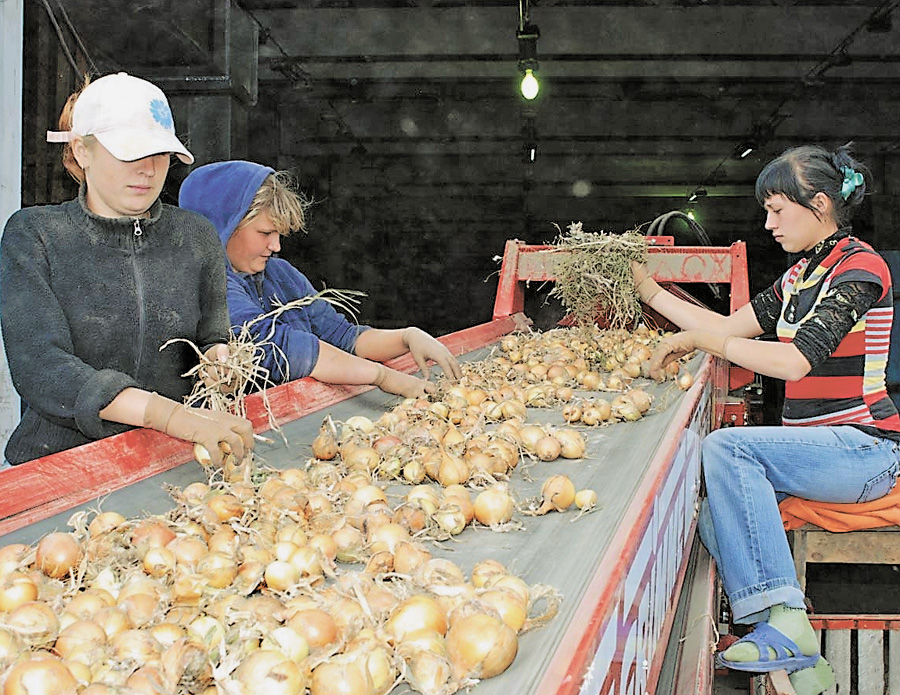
x=86 y=302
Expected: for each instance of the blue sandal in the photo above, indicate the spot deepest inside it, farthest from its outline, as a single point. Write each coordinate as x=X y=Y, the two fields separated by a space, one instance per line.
x=788 y=655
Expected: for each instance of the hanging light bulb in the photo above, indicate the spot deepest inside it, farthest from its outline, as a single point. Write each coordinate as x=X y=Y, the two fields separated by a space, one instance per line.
x=530 y=86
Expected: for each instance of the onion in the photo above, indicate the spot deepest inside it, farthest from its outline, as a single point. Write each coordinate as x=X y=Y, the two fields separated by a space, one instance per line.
x=105 y=522
x=226 y=506
x=13 y=556
x=529 y=435
x=16 y=589
x=494 y=505
x=57 y=554
x=418 y=612
x=281 y=575
x=341 y=675
x=557 y=494
x=270 y=672
x=685 y=381
x=547 y=448
x=325 y=445
x=585 y=499
x=150 y=533
x=10 y=647
x=356 y=425
x=287 y=641
x=34 y=622
x=158 y=562
x=485 y=570
x=450 y=518
x=138 y=646
x=513 y=611
x=572 y=444
x=315 y=626
x=640 y=398
x=80 y=634
x=40 y=675
x=452 y=470
x=188 y=550
x=387 y=537
x=428 y=670
x=409 y=557
x=218 y=568
x=480 y=646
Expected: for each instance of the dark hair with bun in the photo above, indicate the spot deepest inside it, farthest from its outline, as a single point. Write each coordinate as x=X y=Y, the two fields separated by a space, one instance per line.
x=801 y=172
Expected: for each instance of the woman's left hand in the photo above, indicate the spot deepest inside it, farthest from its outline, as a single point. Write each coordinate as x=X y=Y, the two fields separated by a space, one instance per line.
x=670 y=349
x=423 y=348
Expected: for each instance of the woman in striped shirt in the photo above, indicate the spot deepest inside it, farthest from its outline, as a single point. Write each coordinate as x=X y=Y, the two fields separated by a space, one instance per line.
x=840 y=435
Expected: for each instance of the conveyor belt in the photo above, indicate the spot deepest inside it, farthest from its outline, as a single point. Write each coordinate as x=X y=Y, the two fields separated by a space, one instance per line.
x=550 y=549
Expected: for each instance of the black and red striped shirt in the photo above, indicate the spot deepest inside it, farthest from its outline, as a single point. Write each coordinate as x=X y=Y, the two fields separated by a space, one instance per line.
x=838 y=313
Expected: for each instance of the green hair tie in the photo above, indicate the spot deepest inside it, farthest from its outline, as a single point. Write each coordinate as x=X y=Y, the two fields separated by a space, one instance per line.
x=852 y=179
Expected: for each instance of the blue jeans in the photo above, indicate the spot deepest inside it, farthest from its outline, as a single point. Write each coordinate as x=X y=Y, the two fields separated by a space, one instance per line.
x=748 y=470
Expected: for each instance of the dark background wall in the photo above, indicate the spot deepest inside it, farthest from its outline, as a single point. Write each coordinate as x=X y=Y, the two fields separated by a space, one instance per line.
x=402 y=121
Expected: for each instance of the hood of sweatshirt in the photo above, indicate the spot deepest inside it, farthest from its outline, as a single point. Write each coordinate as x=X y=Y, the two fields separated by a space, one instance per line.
x=222 y=192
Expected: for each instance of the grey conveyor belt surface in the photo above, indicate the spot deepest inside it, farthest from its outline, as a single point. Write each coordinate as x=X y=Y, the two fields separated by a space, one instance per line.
x=554 y=549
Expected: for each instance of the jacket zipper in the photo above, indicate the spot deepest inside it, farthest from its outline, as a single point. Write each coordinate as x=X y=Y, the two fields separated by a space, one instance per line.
x=139 y=291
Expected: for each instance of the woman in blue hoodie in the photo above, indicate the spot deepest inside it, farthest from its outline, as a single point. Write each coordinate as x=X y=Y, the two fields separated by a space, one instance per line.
x=252 y=207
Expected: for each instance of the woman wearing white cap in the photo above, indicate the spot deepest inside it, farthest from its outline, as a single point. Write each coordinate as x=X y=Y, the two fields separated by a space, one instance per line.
x=91 y=289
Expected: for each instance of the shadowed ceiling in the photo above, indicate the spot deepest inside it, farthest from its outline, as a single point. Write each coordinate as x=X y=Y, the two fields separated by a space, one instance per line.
x=410 y=111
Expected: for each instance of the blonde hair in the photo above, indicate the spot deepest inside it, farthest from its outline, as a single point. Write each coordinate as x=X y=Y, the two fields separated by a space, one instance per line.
x=65 y=124
x=279 y=197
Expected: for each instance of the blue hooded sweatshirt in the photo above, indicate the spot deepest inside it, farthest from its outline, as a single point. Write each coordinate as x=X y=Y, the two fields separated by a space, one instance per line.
x=223 y=192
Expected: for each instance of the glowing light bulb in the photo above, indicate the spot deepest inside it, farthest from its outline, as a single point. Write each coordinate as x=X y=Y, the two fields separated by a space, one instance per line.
x=530 y=85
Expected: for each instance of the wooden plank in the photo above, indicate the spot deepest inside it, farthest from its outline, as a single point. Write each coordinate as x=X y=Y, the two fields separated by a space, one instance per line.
x=800 y=553
x=837 y=652
x=870 y=662
x=864 y=547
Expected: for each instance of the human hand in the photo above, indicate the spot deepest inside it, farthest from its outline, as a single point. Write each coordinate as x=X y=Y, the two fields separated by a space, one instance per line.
x=678 y=345
x=644 y=284
x=216 y=431
x=670 y=349
x=216 y=374
x=423 y=347
x=400 y=384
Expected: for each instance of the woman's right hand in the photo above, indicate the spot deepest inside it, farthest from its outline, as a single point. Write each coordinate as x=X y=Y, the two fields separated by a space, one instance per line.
x=644 y=284
x=400 y=384
x=216 y=431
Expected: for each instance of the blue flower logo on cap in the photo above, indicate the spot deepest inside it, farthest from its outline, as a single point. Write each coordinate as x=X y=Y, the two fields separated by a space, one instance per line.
x=161 y=114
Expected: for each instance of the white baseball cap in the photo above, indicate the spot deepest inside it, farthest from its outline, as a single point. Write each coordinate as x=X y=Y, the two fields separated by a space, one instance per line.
x=129 y=116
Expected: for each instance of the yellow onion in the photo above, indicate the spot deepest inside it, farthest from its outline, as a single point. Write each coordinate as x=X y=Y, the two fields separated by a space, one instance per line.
x=557 y=494
x=287 y=641
x=585 y=499
x=547 y=448
x=572 y=444
x=34 y=622
x=270 y=672
x=494 y=505
x=486 y=569
x=57 y=554
x=417 y=612
x=40 y=675
x=341 y=675
x=480 y=646
x=325 y=445
x=316 y=626
x=16 y=588
x=509 y=606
